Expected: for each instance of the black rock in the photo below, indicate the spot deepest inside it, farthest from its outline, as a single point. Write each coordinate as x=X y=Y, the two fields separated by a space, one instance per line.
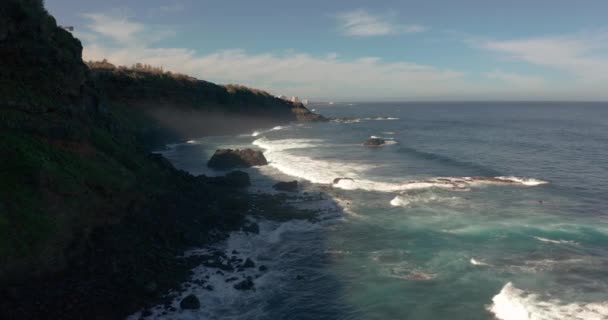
x=289 y=186
x=251 y=228
x=190 y=302
x=234 y=179
x=248 y=264
x=300 y=277
x=374 y=142
x=263 y=268
x=228 y=158
x=246 y=284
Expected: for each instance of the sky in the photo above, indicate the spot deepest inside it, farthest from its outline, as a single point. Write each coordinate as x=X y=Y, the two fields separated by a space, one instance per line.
x=352 y=50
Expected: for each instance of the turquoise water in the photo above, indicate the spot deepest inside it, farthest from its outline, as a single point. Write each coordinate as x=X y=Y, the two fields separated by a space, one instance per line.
x=413 y=235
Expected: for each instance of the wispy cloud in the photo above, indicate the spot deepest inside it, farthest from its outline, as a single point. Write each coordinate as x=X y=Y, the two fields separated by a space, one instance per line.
x=288 y=72
x=581 y=55
x=118 y=29
x=332 y=76
x=361 y=23
x=122 y=30
x=516 y=80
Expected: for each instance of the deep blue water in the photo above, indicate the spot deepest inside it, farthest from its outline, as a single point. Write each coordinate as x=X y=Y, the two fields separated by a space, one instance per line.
x=424 y=231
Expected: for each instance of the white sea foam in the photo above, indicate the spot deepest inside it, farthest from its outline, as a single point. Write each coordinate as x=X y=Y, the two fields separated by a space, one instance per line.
x=407 y=200
x=381 y=118
x=516 y=304
x=326 y=171
x=215 y=288
x=475 y=262
x=450 y=183
x=523 y=181
x=313 y=170
x=259 y=132
x=554 y=241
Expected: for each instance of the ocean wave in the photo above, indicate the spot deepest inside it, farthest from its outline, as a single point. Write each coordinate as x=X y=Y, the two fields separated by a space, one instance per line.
x=475 y=262
x=304 y=167
x=451 y=183
x=516 y=304
x=555 y=241
x=356 y=120
x=524 y=181
x=407 y=200
x=258 y=132
x=347 y=175
x=381 y=118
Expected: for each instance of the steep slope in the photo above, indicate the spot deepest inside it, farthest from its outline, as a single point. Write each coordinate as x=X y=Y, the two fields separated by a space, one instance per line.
x=90 y=222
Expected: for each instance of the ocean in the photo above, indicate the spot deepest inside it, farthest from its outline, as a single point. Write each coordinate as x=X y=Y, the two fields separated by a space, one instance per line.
x=472 y=210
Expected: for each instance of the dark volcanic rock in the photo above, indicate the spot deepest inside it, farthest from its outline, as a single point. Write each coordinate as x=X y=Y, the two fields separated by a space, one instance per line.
x=248 y=264
x=374 y=142
x=228 y=158
x=251 y=228
x=289 y=186
x=234 y=179
x=190 y=302
x=246 y=284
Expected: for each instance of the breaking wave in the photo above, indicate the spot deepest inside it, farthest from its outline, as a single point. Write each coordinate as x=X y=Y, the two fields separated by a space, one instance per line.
x=554 y=241
x=347 y=175
x=516 y=304
x=407 y=200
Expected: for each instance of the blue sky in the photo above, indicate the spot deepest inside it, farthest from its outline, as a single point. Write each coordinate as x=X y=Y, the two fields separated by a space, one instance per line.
x=360 y=50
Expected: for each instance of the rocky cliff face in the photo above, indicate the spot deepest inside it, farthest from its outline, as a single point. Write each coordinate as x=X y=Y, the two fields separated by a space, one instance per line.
x=188 y=106
x=90 y=222
x=41 y=68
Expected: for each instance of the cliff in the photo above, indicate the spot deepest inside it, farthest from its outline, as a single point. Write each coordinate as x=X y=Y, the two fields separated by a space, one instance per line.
x=187 y=106
x=89 y=220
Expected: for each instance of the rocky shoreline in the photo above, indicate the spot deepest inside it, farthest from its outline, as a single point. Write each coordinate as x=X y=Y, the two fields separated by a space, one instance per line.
x=162 y=266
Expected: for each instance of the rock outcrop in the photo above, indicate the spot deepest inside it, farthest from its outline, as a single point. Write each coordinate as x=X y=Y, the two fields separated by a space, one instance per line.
x=288 y=186
x=234 y=179
x=374 y=142
x=228 y=159
x=190 y=302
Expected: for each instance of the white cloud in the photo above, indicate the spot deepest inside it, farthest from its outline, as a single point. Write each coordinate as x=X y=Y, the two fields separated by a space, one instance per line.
x=579 y=55
x=118 y=29
x=296 y=73
x=330 y=76
x=517 y=80
x=363 y=24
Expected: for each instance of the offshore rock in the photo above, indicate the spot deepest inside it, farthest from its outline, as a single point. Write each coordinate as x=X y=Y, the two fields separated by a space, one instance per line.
x=374 y=142
x=228 y=159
